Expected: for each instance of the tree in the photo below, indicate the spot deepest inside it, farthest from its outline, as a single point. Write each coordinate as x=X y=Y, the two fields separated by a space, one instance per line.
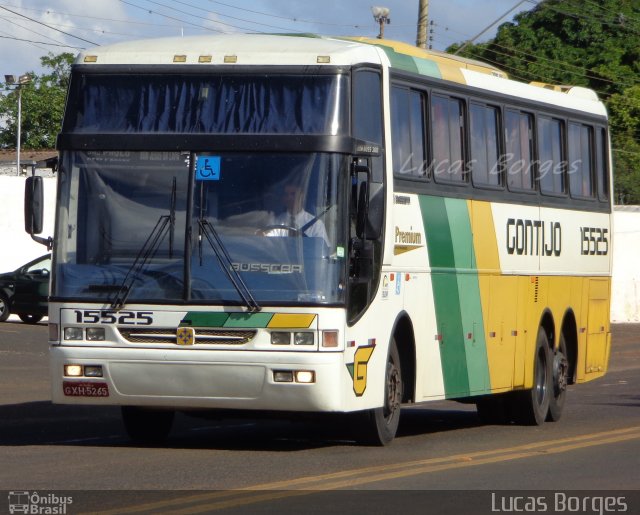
x=624 y=110
x=588 y=43
x=42 y=105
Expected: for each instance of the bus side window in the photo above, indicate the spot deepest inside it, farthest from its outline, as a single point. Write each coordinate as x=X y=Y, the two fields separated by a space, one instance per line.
x=485 y=145
x=519 y=149
x=408 y=132
x=447 y=134
x=602 y=164
x=367 y=113
x=581 y=160
x=551 y=156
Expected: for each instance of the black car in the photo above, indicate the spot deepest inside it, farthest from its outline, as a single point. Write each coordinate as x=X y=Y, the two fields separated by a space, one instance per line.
x=25 y=291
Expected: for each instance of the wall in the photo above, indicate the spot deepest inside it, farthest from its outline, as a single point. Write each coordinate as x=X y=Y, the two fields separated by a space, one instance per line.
x=16 y=247
x=625 y=284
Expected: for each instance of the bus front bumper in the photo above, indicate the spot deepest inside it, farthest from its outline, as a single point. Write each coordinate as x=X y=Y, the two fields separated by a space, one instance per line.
x=251 y=380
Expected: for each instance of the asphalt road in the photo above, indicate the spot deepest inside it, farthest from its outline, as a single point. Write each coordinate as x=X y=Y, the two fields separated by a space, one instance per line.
x=282 y=465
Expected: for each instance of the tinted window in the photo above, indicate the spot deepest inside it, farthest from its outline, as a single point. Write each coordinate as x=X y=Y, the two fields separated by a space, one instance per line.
x=519 y=149
x=367 y=106
x=231 y=104
x=603 y=164
x=550 y=154
x=407 y=132
x=485 y=147
x=447 y=133
x=581 y=160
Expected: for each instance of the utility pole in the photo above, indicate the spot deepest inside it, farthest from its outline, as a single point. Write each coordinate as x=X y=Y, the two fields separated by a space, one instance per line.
x=423 y=16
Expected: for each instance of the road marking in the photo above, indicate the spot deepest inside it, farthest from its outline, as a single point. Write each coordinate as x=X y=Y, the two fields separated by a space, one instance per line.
x=357 y=477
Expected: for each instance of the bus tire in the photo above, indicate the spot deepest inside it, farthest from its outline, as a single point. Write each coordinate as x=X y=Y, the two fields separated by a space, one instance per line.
x=560 y=369
x=532 y=406
x=147 y=426
x=378 y=426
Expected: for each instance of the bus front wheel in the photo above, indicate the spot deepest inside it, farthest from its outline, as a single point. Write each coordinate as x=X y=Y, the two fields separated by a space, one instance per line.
x=379 y=426
x=147 y=426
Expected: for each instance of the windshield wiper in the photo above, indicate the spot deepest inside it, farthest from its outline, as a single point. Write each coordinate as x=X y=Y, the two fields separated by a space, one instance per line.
x=147 y=251
x=165 y=223
x=226 y=264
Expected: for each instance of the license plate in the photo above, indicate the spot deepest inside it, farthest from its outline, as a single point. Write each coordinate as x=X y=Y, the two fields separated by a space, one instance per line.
x=85 y=389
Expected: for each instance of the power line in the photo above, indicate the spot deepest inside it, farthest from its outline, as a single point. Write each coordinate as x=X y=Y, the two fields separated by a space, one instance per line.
x=225 y=15
x=41 y=42
x=10 y=20
x=169 y=17
x=45 y=25
x=296 y=20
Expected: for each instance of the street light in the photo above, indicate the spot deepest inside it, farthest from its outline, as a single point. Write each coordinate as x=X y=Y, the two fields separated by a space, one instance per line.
x=17 y=83
x=381 y=15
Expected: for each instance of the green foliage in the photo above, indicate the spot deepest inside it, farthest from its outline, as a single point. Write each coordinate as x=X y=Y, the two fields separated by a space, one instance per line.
x=591 y=43
x=42 y=105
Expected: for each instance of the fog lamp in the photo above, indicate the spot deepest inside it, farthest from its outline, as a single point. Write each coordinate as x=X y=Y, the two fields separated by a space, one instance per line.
x=305 y=376
x=283 y=376
x=93 y=370
x=73 y=370
x=73 y=333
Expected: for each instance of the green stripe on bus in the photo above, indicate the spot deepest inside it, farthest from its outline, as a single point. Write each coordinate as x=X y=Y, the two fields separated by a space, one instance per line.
x=248 y=320
x=204 y=319
x=456 y=294
x=469 y=293
x=200 y=319
x=445 y=295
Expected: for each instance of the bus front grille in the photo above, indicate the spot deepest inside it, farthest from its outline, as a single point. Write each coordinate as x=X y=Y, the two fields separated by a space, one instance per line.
x=202 y=336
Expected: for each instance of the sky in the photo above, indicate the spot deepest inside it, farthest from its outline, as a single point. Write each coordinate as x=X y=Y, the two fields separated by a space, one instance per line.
x=30 y=29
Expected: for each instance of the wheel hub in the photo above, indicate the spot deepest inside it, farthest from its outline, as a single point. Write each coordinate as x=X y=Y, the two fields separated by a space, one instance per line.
x=560 y=372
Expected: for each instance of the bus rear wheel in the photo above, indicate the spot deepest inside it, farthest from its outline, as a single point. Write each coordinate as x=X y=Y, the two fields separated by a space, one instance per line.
x=147 y=426
x=532 y=406
x=379 y=426
x=560 y=380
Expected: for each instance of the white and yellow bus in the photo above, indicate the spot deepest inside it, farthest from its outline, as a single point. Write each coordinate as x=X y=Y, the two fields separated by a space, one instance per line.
x=308 y=224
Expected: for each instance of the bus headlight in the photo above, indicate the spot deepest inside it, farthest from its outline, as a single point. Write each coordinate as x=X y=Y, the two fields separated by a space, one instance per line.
x=73 y=333
x=95 y=334
x=280 y=338
x=303 y=338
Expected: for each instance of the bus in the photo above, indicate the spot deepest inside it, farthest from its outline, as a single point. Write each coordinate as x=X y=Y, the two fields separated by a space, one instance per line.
x=298 y=224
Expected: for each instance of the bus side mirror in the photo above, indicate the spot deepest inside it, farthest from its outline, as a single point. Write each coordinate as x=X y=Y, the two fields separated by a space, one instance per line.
x=369 y=202
x=33 y=205
x=375 y=211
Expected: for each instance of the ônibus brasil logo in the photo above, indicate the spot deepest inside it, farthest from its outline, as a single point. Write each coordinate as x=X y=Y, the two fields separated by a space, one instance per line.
x=35 y=503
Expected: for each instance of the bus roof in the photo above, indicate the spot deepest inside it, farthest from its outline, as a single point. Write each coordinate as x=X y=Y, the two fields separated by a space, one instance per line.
x=310 y=49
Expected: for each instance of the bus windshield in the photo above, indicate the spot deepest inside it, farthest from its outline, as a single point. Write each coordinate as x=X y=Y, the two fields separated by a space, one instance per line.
x=207 y=104
x=165 y=225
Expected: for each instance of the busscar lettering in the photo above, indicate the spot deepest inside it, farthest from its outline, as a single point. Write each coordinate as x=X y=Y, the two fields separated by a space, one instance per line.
x=268 y=268
x=534 y=237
